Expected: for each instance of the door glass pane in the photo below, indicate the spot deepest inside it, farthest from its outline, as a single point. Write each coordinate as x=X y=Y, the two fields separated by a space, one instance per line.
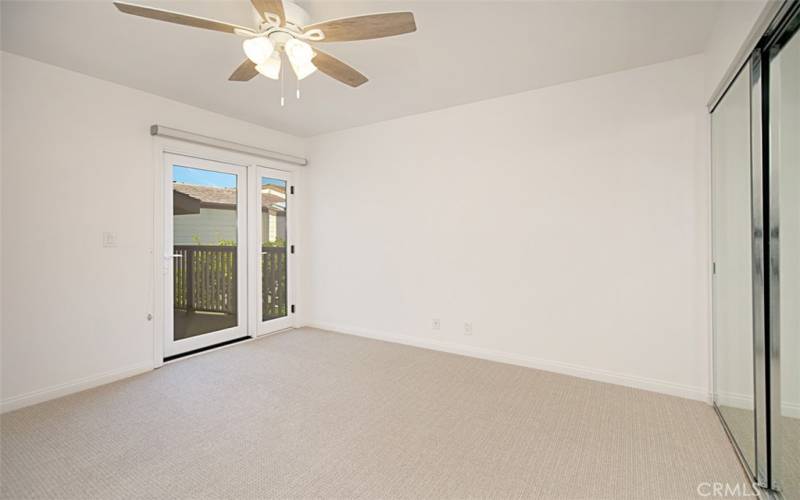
x=205 y=232
x=785 y=136
x=273 y=249
x=732 y=282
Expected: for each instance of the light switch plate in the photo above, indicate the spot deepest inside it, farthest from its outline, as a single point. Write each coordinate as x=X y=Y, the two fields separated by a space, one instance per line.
x=109 y=239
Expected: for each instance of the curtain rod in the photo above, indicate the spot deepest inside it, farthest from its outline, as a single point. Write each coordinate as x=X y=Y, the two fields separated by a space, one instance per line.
x=174 y=133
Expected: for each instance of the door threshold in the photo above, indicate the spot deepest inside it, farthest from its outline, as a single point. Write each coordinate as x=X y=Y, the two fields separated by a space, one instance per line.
x=227 y=343
x=276 y=332
x=201 y=350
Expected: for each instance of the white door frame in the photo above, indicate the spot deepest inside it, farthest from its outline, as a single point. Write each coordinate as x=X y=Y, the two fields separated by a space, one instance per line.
x=165 y=145
x=171 y=346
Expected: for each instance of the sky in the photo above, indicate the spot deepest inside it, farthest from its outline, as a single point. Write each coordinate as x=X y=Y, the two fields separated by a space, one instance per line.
x=187 y=175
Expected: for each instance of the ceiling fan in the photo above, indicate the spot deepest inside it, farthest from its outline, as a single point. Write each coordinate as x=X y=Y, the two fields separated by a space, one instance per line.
x=283 y=28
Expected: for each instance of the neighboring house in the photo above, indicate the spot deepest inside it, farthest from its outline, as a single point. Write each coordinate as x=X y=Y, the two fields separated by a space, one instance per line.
x=206 y=215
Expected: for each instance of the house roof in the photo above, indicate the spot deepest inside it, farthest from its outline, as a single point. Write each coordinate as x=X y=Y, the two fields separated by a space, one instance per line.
x=218 y=197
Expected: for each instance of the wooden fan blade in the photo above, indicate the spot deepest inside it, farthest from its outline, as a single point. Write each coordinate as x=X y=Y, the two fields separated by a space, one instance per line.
x=245 y=72
x=336 y=69
x=271 y=6
x=365 y=27
x=177 y=18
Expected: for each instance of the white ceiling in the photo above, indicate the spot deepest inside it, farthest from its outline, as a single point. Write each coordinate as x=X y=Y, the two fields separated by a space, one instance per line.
x=463 y=51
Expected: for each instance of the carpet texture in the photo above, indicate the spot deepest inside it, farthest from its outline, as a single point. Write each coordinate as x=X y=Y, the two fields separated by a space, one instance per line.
x=316 y=414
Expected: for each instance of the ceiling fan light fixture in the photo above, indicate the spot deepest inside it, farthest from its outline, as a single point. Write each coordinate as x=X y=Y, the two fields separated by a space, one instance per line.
x=258 y=49
x=271 y=68
x=300 y=54
x=282 y=25
x=303 y=69
x=298 y=51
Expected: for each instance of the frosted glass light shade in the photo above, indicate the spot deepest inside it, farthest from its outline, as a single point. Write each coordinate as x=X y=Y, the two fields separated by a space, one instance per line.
x=298 y=51
x=258 y=49
x=271 y=68
x=303 y=69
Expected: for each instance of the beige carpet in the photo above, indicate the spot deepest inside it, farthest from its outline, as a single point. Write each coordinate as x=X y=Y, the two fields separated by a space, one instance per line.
x=316 y=414
x=788 y=457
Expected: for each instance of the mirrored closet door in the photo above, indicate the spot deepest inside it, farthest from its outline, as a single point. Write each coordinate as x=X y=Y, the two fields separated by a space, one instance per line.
x=734 y=385
x=755 y=133
x=784 y=172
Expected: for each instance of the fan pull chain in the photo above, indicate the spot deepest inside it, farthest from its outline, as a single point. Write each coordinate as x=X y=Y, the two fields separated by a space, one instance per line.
x=298 y=89
x=283 y=101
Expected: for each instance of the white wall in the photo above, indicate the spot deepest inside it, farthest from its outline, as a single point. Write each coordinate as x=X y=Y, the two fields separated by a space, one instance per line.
x=77 y=161
x=569 y=225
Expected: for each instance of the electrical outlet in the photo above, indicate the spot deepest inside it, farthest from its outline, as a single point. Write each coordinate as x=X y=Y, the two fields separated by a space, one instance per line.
x=436 y=324
x=467 y=328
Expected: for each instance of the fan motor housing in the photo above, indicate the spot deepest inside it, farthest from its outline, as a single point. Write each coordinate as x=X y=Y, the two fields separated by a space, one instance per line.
x=296 y=16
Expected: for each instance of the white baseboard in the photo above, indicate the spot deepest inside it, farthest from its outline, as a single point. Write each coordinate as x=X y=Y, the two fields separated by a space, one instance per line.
x=791 y=410
x=648 y=384
x=57 y=391
x=735 y=400
x=745 y=402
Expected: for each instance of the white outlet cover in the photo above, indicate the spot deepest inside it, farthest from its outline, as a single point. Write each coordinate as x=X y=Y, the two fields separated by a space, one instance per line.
x=467 y=328
x=436 y=324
